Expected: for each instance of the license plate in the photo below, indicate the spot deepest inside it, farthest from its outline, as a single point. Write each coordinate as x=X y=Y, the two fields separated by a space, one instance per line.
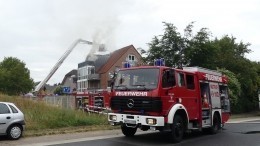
x=129 y=121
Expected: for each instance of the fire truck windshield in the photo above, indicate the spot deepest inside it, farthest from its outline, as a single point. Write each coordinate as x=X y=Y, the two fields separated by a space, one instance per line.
x=137 y=79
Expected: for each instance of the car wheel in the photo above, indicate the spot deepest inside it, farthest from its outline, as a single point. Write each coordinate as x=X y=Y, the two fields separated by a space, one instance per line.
x=14 y=132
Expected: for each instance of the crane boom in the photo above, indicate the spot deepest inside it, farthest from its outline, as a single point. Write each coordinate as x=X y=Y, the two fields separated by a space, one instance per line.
x=60 y=61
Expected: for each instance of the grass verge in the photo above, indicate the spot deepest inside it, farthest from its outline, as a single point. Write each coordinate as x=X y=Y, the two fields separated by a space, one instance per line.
x=43 y=119
x=66 y=130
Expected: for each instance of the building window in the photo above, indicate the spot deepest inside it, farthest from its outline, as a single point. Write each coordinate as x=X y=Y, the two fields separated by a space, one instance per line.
x=131 y=58
x=91 y=70
x=82 y=73
x=78 y=86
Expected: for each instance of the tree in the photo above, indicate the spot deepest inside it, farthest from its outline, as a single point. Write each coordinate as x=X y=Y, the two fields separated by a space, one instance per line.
x=257 y=66
x=198 y=49
x=231 y=55
x=58 y=90
x=182 y=50
x=229 y=52
x=169 y=46
x=14 y=77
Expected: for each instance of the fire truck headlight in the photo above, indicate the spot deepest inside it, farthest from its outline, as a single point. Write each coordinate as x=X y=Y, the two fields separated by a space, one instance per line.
x=112 y=117
x=151 y=121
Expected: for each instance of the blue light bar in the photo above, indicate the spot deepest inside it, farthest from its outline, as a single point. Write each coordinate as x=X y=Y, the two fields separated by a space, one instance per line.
x=126 y=65
x=159 y=62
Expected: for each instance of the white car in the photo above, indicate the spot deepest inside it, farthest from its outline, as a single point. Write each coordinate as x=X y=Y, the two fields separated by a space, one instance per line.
x=11 y=120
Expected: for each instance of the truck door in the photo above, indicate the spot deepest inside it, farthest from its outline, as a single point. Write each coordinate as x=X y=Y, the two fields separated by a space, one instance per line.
x=167 y=83
x=186 y=91
x=191 y=96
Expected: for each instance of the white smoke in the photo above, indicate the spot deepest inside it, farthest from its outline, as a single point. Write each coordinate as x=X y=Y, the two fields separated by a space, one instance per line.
x=44 y=29
x=103 y=40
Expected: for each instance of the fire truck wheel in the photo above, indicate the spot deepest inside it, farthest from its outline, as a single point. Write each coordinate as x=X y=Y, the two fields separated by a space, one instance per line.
x=216 y=125
x=177 y=131
x=128 y=131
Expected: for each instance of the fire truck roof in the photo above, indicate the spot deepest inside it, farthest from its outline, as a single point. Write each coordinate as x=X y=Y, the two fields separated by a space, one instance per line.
x=204 y=70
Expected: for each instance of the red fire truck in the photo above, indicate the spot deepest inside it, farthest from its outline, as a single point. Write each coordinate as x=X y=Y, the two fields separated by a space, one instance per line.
x=93 y=101
x=169 y=99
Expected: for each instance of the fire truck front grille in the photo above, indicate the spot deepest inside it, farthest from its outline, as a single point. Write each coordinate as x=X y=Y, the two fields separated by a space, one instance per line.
x=144 y=104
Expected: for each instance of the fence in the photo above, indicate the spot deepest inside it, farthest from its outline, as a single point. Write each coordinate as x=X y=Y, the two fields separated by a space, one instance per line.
x=67 y=102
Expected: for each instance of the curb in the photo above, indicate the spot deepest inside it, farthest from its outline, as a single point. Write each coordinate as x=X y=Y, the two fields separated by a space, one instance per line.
x=241 y=120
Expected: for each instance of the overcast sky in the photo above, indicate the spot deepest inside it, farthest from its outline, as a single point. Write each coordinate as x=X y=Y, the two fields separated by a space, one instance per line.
x=38 y=32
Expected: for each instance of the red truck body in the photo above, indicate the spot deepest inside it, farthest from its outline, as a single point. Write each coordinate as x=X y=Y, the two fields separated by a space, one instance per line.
x=94 y=101
x=164 y=98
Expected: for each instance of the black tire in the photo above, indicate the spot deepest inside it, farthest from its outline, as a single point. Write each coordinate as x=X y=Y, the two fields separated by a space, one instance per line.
x=15 y=132
x=216 y=125
x=128 y=131
x=177 y=129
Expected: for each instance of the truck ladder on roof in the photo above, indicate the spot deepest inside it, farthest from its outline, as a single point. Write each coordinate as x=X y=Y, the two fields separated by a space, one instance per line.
x=200 y=69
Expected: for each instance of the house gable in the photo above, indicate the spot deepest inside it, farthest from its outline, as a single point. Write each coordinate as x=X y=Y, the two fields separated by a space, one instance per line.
x=115 y=61
x=117 y=56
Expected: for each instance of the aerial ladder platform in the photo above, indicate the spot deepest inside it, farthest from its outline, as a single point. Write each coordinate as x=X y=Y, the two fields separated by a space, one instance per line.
x=60 y=61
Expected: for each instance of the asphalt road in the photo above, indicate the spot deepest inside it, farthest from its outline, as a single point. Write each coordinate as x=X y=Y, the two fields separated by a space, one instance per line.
x=233 y=134
x=238 y=132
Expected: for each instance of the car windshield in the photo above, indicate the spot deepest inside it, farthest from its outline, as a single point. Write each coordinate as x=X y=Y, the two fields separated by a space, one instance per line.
x=137 y=79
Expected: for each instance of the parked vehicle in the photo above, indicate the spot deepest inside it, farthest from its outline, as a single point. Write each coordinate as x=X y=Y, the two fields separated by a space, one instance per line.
x=11 y=120
x=169 y=99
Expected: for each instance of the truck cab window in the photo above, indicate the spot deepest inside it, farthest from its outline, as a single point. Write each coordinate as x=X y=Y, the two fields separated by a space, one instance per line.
x=168 y=79
x=190 y=82
x=181 y=81
x=137 y=79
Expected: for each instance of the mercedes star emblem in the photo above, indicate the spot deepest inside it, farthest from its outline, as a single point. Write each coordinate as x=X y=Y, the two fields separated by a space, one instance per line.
x=130 y=103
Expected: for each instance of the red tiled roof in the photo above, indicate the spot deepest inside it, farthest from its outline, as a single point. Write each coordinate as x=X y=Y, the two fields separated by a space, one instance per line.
x=113 y=58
